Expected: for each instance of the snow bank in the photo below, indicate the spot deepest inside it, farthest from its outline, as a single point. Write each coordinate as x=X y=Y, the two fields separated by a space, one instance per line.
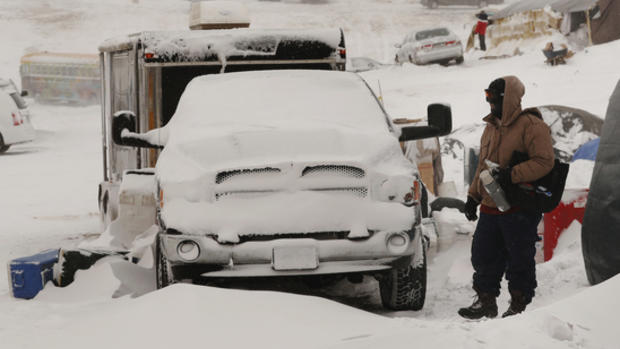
x=580 y=174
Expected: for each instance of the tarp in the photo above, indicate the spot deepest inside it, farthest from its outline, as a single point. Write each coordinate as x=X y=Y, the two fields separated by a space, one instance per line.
x=606 y=27
x=587 y=151
x=556 y=5
x=600 y=233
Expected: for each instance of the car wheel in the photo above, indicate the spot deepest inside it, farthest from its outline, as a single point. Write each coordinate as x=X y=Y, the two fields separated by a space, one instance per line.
x=396 y=59
x=459 y=60
x=405 y=288
x=410 y=59
x=3 y=147
x=163 y=270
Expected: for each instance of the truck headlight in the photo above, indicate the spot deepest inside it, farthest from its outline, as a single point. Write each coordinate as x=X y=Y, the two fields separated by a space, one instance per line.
x=404 y=189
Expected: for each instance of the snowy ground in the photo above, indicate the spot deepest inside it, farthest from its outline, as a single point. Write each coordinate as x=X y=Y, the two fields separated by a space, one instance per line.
x=49 y=187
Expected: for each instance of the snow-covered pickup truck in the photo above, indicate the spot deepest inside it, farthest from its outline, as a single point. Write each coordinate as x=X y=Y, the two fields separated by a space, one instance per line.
x=287 y=172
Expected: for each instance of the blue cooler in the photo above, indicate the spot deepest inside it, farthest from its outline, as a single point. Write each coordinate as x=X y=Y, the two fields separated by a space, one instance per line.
x=28 y=275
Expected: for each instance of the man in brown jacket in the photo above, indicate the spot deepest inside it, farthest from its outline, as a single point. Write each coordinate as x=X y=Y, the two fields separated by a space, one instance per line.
x=504 y=242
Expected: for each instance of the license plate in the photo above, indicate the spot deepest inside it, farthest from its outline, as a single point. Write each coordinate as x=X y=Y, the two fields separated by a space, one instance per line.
x=294 y=258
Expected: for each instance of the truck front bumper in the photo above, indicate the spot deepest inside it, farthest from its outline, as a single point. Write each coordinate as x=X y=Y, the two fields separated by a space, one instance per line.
x=291 y=256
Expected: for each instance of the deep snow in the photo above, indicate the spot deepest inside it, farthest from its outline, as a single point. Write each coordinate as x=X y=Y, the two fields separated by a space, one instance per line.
x=49 y=190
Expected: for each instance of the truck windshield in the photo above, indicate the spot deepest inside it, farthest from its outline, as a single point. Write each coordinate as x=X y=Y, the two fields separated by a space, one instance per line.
x=280 y=99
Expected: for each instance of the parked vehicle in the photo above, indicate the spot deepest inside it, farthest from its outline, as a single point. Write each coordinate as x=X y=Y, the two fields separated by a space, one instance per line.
x=309 y=182
x=479 y=3
x=53 y=77
x=437 y=45
x=15 y=125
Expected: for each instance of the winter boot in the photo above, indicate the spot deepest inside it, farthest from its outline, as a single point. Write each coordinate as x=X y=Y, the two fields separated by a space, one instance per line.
x=518 y=302
x=484 y=305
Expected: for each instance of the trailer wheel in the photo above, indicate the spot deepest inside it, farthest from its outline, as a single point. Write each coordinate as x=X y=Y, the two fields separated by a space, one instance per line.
x=405 y=288
x=163 y=270
x=3 y=147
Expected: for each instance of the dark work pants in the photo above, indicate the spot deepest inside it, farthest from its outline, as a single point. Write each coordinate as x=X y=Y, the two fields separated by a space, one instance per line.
x=483 y=46
x=505 y=243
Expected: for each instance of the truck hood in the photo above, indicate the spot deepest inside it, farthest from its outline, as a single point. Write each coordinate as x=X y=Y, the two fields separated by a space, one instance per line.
x=197 y=156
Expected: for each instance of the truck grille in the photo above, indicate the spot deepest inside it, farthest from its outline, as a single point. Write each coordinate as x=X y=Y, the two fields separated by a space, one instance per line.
x=338 y=170
x=226 y=175
x=357 y=191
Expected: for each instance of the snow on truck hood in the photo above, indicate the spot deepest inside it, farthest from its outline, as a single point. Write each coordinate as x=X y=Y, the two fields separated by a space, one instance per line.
x=251 y=119
x=301 y=144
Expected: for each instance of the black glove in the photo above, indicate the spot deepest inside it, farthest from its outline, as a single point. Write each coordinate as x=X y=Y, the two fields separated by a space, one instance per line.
x=503 y=177
x=470 y=209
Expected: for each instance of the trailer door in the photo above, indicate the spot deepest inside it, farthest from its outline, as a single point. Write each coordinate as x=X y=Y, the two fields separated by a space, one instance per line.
x=122 y=98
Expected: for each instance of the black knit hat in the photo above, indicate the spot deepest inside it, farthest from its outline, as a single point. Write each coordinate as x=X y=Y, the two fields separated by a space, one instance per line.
x=495 y=92
x=498 y=86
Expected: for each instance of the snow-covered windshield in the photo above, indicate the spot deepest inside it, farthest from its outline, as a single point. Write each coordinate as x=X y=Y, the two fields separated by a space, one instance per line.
x=271 y=100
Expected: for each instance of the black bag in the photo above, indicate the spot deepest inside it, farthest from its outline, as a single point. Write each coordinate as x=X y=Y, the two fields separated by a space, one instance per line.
x=542 y=195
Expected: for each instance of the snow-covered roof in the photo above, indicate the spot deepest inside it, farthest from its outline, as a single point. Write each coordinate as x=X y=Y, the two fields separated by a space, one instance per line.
x=60 y=57
x=556 y=5
x=198 y=45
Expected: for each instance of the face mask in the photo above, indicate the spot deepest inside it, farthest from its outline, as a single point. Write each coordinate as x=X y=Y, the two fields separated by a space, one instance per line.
x=496 y=100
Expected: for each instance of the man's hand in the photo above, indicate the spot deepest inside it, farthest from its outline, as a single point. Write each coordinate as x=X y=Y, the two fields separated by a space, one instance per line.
x=504 y=178
x=471 y=207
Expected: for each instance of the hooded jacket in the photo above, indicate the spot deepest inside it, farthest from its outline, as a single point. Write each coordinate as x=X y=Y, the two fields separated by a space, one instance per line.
x=517 y=130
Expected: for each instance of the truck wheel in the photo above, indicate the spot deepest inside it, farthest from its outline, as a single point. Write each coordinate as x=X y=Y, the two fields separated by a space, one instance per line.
x=162 y=267
x=405 y=288
x=3 y=147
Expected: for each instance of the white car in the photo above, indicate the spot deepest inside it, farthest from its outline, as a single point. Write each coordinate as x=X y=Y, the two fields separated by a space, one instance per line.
x=15 y=126
x=438 y=45
x=304 y=177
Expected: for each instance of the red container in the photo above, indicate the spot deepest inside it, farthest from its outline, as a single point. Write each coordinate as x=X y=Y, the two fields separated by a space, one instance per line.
x=572 y=207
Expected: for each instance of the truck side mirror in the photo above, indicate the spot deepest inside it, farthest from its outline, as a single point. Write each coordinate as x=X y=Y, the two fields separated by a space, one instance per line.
x=124 y=131
x=123 y=120
x=439 y=124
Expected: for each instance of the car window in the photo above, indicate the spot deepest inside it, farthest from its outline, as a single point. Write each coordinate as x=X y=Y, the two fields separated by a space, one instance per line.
x=21 y=103
x=422 y=35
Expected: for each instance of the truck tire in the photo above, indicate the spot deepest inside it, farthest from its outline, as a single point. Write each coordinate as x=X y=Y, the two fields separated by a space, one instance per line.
x=162 y=267
x=3 y=147
x=404 y=288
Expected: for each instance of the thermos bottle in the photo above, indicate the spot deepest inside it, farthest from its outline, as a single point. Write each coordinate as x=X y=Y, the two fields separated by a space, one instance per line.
x=494 y=190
